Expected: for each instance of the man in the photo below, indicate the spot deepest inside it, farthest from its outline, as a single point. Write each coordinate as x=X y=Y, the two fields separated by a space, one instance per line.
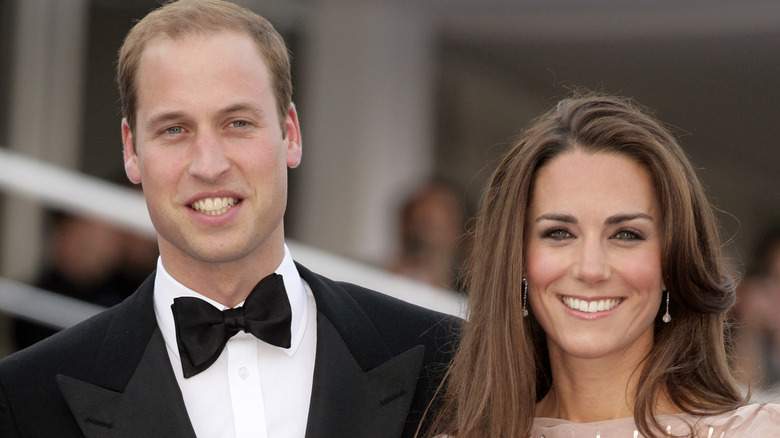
x=209 y=130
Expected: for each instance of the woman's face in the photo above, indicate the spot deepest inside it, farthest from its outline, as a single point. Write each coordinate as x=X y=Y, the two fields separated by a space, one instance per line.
x=593 y=256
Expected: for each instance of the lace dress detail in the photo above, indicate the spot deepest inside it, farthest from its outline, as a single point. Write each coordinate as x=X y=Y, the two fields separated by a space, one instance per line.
x=751 y=421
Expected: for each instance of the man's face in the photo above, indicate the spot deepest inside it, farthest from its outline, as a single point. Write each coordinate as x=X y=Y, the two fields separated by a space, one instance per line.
x=209 y=150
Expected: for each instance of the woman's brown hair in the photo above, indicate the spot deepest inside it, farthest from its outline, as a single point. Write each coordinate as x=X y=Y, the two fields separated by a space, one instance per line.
x=502 y=369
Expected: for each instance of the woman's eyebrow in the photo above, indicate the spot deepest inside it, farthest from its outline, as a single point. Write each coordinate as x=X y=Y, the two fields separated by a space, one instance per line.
x=612 y=220
x=557 y=217
x=625 y=217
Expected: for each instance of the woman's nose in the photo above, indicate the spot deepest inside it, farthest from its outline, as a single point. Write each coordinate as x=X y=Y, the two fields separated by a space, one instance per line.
x=591 y=265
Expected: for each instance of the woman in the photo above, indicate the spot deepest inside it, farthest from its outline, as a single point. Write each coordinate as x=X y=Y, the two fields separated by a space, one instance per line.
x=596 y=290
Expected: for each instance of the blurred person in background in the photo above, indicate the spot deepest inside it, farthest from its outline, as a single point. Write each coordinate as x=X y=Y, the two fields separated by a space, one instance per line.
x=758 y=320
x=432 y=228
x=90 y=260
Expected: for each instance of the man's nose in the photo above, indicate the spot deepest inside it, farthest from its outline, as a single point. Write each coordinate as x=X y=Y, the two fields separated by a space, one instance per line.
x=208 y=160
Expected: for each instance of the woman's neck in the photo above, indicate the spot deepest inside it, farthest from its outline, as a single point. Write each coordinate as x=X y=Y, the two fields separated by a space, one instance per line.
x=593 y=389
x=588 y=390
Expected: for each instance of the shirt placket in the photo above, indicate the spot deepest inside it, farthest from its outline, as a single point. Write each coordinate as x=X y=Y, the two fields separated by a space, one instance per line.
x=246 y=393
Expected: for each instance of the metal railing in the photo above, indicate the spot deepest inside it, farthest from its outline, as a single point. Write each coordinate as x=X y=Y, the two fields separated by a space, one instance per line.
x=84 y=195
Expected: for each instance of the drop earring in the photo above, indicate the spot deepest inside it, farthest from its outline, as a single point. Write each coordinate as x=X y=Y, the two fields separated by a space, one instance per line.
x=667 y=317
x=525 y=298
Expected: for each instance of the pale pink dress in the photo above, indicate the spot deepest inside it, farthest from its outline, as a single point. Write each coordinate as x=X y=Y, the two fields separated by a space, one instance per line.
x=751 y=421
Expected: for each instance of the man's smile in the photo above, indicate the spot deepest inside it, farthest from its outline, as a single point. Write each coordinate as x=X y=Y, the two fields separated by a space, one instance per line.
x=214 y=206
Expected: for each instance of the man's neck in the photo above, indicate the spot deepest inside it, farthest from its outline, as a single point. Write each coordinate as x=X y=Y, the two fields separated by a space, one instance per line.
x=228 y=283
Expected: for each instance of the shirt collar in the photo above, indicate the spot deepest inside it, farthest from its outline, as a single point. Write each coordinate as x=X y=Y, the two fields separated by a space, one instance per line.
x=166 y=288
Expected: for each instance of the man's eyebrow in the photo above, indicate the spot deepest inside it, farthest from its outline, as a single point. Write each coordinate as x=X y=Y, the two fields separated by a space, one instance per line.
x=162 y=118
x=244 y=106
x=165 y=117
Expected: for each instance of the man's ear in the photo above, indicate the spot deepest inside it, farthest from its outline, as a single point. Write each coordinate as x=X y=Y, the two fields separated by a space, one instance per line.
x=131 y=158
x=293 y=137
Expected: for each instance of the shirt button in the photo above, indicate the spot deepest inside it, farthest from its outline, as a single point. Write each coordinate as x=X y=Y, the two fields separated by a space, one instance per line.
x=243 y=372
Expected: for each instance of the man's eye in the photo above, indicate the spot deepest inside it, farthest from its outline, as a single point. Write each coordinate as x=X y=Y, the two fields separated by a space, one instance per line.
x=174 y=130
x=238 y=123
x=557 y=234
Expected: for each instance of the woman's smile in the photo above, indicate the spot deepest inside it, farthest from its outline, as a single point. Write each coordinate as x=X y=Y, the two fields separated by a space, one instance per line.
x=591 y=306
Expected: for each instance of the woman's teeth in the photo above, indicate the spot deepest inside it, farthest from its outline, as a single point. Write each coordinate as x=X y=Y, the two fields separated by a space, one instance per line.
x=591 y=306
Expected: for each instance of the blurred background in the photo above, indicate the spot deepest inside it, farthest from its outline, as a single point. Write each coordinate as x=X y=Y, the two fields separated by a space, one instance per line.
x=410 y=102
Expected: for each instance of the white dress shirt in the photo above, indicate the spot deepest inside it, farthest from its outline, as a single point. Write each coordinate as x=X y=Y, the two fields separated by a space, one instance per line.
x=254 y=389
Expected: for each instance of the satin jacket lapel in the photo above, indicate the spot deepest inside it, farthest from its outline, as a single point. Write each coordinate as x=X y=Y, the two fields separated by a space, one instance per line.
x=150 y=405
x=131 y=390
x=347 y=401
x=359 y=388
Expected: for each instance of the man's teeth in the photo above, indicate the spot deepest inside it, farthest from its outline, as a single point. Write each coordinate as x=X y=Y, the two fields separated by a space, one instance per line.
x=214 y=206
x=591 y=306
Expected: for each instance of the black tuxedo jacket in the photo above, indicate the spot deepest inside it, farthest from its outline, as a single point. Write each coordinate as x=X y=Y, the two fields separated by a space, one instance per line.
x=378 y=363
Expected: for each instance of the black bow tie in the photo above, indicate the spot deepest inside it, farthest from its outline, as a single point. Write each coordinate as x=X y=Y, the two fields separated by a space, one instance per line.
x=202 y=330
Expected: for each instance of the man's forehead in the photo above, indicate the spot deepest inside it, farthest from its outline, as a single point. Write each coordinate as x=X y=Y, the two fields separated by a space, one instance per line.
x=160 y=46
x=169 y=38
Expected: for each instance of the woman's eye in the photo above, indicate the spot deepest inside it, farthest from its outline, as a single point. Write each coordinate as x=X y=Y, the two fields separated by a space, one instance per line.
x=557 y=234
x=627 y=235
